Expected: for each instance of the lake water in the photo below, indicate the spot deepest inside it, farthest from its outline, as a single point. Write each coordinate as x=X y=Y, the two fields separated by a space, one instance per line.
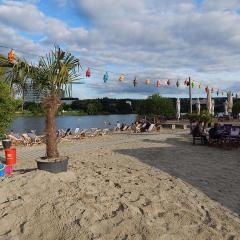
x=23 y=124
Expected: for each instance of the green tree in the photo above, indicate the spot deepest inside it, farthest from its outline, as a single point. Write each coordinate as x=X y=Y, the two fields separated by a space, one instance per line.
x=16 y=74
x=157 y=105
x=123 y=108
x=35 y=108
x=7 y=107
x=92 y=109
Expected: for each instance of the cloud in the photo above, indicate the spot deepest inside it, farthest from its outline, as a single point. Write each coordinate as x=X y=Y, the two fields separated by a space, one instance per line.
x=221 y=5
x=22 y=16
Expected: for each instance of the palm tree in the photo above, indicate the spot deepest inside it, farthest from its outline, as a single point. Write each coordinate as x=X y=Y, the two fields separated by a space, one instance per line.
x=51 y=75
x=16 y=74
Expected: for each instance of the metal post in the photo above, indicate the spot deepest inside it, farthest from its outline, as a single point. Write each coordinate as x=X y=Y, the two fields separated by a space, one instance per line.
x=190 y=94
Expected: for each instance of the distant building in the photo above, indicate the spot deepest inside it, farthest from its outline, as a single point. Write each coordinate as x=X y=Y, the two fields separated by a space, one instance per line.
x=32 y=95
x=68 y=101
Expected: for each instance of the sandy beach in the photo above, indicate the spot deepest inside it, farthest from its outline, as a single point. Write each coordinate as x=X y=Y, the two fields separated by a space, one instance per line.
x=125 y=187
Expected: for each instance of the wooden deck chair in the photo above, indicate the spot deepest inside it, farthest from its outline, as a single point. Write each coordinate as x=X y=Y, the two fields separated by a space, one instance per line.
x=35 y=138
x=27 y=139
x=151 y=127
x=125 y=128
x=16 y=140
x=105 y=131
x=76 y=131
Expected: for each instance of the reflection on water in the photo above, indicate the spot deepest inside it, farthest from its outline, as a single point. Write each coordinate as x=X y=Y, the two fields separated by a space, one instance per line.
x=23 y=124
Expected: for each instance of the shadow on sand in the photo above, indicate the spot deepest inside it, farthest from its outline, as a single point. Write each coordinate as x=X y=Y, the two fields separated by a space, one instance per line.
x=25 y=170
x=213 y=171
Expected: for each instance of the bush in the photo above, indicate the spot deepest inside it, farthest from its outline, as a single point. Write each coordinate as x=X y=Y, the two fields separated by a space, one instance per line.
x=7 y=108
x=203 y=117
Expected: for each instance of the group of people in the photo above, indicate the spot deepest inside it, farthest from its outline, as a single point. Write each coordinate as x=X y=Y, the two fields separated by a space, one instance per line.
x=214 y=132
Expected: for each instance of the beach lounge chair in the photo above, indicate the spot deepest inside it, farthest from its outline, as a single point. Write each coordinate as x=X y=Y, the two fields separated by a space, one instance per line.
x=35 y=138
x=68 y=132
x=103 y=132
x=136 y=128
x=76 y=131
x=16 y=139
x=27 y=139
x=93 y=132
x=61 y=133
x=125 y=128
x=152 y=126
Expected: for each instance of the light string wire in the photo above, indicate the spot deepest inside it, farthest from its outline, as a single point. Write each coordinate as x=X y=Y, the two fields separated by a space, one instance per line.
x=220 y=91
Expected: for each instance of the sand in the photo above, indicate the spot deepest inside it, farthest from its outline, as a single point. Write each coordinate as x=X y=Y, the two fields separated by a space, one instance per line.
x=142 y=186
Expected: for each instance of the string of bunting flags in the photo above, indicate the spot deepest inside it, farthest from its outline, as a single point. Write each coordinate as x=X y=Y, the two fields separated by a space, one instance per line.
x=158 y=83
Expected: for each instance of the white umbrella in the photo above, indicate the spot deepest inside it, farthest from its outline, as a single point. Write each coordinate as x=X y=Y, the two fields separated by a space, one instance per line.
x=178 y=109
x=198 y=106
x=225 y=104
x=230 y=102
x=213 y=107
x=209 y=101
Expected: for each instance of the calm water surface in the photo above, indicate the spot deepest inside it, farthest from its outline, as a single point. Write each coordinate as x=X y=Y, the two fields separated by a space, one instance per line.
x=23 y=124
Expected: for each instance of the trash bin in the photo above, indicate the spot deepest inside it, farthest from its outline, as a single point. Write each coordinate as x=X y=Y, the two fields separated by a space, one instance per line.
x=10 y=155
x=6 y=143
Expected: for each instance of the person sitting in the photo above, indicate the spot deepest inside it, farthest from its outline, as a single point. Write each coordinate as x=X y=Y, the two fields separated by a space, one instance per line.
x=136 y=127
x=34 y=138
x=122 y=127
x=118 y=126
x=16 y=135
x=215 y=132
x=198 y=132
x=145 y=126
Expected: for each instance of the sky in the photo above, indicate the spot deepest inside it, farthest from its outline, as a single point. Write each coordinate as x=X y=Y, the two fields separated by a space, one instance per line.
x=146 y=39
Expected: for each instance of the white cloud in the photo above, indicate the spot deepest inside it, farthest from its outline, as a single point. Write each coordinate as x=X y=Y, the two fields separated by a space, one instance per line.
x=22 y=16
x=221 y=4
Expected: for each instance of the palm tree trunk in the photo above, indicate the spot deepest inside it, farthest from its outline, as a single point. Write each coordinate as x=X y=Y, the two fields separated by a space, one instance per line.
x=51 y=103
x=23 y=100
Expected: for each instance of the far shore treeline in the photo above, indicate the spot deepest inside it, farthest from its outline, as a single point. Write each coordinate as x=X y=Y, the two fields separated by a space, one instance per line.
x=154 y=104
